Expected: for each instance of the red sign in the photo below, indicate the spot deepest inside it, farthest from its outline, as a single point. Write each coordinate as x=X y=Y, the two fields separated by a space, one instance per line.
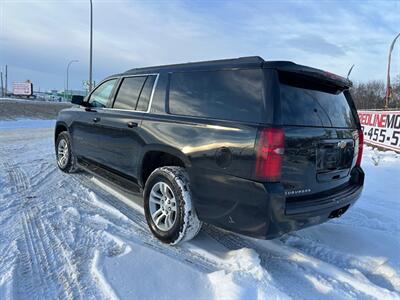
x=381 y=128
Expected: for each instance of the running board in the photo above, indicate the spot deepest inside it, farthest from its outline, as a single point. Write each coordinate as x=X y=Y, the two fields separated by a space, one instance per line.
x=127 y=184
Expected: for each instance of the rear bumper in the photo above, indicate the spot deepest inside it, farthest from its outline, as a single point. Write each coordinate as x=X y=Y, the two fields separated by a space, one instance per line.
x=328 y=203
x=298 y=215
x=261 y=210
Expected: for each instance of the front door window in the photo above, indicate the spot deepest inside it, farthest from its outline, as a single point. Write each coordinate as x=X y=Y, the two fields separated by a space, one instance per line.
x=101 y=95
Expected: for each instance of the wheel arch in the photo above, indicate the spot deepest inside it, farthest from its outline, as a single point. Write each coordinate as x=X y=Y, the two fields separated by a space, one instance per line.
x=156 y=156
x=60 y=127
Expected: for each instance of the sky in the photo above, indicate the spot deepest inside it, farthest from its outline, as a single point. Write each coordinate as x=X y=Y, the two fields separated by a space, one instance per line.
x=39 y=38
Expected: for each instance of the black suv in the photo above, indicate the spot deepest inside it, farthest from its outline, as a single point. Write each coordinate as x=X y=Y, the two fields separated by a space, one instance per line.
x=256 y=147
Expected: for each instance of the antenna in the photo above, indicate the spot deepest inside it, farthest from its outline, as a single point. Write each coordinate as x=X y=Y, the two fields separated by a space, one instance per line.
x=348 y=73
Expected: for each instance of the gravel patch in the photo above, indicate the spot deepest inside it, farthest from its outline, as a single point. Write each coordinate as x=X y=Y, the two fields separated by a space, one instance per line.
x=13 y=109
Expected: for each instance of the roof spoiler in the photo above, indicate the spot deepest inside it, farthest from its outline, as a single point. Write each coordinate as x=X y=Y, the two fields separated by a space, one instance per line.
x=320 y=75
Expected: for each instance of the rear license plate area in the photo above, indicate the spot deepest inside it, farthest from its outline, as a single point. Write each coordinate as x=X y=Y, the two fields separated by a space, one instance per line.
x=334 y=155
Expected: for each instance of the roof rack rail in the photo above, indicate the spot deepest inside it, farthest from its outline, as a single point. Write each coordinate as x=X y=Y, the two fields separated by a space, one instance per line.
x=246 y=61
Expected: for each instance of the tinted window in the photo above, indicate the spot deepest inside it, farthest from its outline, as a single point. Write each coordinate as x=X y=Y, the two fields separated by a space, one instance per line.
x=129 y=92
x=144 y=99
x=101 y=94
x=309 y=107
x=231 y=95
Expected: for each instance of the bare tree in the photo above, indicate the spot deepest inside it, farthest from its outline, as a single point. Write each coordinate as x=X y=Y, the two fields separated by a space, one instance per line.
x=371 y=95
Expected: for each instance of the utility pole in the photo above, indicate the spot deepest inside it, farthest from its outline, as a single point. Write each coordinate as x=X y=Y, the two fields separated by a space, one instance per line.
x=91 y=47
x=6 y=82
x=2 y=87
x=388 y=88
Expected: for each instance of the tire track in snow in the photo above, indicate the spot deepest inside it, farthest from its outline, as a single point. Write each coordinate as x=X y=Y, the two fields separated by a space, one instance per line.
x=41 y=176
x=35 y=253
x=47 y=267
x=7 y=267
x=274 y=250
x=31 y=274
x=75 y=280
x=378 y=273
x=62 y=258
x=10 y=207
x=359 y=217
x=17 y=178
x=41 y=255
x=18 y=182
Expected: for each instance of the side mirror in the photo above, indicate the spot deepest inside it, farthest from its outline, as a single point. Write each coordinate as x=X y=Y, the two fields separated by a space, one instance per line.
x=77 y=99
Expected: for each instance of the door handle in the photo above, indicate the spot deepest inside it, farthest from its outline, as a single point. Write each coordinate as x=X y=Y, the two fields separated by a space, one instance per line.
x=132 y=124
x=97 y=119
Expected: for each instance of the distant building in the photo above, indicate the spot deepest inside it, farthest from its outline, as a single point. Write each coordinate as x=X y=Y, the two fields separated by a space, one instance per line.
x=58 y=95
x=77 y=92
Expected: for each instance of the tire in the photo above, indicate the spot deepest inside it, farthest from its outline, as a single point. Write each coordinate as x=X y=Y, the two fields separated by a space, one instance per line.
x=183 y=222
x=68 y=165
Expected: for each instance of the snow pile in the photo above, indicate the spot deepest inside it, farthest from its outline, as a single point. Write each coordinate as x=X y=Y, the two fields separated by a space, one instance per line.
x=244 y=278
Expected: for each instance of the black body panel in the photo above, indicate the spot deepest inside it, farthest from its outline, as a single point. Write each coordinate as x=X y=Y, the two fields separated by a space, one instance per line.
x=319 y=176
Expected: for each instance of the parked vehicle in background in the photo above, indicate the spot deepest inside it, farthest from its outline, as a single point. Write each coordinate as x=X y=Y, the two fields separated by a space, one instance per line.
x=256 y=147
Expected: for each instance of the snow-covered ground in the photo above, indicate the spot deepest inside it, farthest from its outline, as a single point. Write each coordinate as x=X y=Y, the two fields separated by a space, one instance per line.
x=73 y=236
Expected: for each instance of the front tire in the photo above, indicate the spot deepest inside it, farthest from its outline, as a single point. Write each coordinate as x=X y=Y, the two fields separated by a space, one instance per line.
x=64 y=154
x=168 y=206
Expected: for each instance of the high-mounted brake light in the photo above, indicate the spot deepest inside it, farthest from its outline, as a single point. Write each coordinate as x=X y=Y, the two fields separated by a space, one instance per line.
x=334 y=76
x=270 y=149
x=360 y=147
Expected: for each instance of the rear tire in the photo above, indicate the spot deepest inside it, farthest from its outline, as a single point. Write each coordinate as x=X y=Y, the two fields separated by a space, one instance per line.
x=66 y=161
x=168 y=206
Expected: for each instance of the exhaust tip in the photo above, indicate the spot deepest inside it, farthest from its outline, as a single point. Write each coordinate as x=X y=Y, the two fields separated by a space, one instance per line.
x=338 y=212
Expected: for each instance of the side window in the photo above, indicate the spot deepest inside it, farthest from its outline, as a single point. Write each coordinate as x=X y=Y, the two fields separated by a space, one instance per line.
x=225 y=94
x=145 y=95
x=100 y=96
x=129 y=92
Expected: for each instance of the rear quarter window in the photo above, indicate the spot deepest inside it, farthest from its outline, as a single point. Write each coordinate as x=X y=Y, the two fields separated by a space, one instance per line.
x=224 y=94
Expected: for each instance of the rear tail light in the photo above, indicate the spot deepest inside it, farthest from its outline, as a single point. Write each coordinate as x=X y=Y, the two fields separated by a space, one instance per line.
x=360 y=147
x=270 y=149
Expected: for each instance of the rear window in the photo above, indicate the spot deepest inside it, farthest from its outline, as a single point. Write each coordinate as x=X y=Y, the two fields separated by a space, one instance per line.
x=311 y=106
x=228 y=94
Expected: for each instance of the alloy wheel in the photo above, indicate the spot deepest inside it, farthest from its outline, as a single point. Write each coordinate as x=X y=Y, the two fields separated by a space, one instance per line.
x=62 y=153
x=162 y=205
